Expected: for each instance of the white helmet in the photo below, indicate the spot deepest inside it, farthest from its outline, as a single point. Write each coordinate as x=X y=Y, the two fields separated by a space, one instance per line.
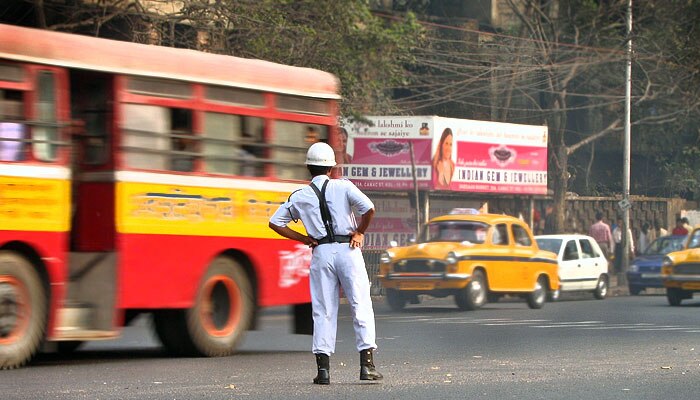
x=320 y=154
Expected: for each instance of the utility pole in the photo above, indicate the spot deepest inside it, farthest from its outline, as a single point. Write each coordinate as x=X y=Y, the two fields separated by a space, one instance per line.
x=415 y=190
x=626 y=156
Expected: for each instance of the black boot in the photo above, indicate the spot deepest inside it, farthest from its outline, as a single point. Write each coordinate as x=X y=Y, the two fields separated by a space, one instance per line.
x=323 y=363
x=367 y=369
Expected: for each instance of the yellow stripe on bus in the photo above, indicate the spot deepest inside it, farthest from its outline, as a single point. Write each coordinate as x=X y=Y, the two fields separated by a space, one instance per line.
x=200 y=211
x=34 y=204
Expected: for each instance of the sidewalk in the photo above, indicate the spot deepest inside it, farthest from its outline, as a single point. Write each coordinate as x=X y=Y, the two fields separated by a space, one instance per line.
x=616 y=289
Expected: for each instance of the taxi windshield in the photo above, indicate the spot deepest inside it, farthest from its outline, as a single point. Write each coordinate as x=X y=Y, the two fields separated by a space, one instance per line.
x=456 y=231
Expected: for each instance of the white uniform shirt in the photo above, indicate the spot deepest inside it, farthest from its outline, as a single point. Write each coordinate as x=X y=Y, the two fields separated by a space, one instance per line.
x=342 y=196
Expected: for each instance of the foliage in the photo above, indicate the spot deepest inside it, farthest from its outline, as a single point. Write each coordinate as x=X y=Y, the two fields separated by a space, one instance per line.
x=369 y=54
x=560 y=63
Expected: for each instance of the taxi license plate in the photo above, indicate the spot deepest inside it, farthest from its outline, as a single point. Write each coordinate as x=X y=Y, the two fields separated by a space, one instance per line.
x=691 y=286
x=416 y=286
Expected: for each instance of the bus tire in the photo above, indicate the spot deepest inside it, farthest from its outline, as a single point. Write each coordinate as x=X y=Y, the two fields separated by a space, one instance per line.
x=23 y=310
x=223 y=309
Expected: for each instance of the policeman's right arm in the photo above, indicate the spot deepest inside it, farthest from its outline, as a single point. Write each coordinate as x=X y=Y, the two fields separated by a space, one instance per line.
x=290 y=233
x=279 y=220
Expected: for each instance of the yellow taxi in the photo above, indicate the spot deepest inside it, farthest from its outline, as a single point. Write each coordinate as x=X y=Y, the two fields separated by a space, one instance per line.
x=474 y=257
x=680 y=270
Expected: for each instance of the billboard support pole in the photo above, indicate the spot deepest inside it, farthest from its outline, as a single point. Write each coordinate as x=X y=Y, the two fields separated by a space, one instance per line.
x=415 y=188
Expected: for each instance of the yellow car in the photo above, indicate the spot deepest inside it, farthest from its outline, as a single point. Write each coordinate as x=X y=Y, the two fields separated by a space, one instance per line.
x=475 y=257
x=680 y=270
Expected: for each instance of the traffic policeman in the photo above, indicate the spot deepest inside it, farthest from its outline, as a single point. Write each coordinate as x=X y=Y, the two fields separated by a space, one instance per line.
x=326 y=208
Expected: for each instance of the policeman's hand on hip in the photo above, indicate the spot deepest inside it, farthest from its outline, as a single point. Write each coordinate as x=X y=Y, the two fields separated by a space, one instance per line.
x=356 y=239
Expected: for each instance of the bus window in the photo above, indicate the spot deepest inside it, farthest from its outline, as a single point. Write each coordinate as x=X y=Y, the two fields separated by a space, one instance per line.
x=11 y=130
x=232 y=144
x=303 y=105
x=146 y=138
x=290 y=143
x=183 y=141
x=159 y=87
x=90 y=103
x=44 y=135
x=11 y=72
x=235 y=96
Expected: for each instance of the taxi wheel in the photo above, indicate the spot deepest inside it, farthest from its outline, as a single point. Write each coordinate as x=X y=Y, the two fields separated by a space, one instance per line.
x=601 y=288
x=395 y=299
x=474 y=295
x=674 y=296
x=553 y=295
x=537 y=297
x=23 y=310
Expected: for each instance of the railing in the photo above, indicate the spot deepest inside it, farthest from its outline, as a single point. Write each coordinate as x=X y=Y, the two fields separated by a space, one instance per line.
x=372 y=264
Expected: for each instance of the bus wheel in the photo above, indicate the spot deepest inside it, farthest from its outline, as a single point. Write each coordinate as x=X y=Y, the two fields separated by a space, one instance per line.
x=23 y=304
x=223 y=309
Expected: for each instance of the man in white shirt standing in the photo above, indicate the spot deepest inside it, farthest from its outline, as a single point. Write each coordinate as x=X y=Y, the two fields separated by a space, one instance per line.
x=617 y=238
x=325 y=207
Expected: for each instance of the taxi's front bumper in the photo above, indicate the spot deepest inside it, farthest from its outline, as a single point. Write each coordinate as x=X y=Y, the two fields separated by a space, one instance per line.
x=682 y=281
x=425 y=276
x=425 y=282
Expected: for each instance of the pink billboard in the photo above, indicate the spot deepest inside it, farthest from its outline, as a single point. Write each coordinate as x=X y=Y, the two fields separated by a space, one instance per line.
x=380 y=153
x=449 y=154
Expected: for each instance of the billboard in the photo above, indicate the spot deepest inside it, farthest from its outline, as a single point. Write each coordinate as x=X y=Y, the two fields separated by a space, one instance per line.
x=449 y=154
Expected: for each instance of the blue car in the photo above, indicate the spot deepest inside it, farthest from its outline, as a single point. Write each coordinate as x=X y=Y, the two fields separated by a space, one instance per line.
x=645 y=270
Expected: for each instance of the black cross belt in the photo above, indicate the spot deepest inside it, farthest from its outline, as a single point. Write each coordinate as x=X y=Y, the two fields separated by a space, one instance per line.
x=336 y=239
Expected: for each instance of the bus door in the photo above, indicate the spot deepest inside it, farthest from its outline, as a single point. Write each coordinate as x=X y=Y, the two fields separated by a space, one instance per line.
x=90 y=307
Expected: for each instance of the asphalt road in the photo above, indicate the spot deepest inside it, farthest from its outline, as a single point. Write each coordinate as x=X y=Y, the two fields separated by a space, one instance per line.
x=618 y=348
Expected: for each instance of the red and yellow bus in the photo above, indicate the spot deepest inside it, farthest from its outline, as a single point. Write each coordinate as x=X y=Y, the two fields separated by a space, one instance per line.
x=139 y=179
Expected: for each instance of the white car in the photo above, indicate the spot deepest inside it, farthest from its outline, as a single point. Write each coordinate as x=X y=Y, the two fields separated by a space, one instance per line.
x=582 y=265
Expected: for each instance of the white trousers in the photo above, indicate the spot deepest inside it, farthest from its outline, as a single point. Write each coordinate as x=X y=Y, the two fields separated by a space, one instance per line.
x=334 y=265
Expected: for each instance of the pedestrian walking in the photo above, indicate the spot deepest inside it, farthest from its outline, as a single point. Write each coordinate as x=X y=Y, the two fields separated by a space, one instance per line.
x=325 y=207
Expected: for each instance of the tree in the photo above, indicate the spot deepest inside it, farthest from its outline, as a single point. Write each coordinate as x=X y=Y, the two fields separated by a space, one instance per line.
x=368 y=54
x=562 y=65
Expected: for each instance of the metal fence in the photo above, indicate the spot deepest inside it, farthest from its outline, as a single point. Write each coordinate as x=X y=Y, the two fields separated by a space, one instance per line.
x=372 y=264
